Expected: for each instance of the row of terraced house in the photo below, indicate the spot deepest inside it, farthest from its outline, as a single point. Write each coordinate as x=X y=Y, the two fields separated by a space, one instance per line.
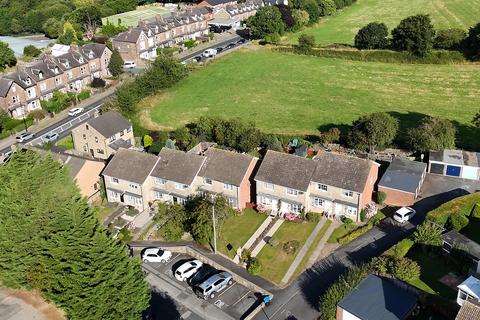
x=334 y=184
x=140 y=44
x=69 y=70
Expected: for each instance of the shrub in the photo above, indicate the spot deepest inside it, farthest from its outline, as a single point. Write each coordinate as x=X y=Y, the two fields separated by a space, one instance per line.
x=405 y=269
x=246 y=255
x=457 y=221
x=167 y=51
x=37 y=114
x=372 y=36
x=476 y=211
x=273 y=242
x=462 y=205
x=414 y=34
x=330 y=136
x=312 y=216
x=449 y=39
x=401 y=249
x=290 y=247
x=190 y=44
x=97 y=83
x=300 y=17
x=363 y=215
x=253 y=266
x=305 y=43
x=272 y=38
x=327 y=7
x=381 y=197
x=31 y=51
x=428 y=234
x=84 y=94
x=346 y=220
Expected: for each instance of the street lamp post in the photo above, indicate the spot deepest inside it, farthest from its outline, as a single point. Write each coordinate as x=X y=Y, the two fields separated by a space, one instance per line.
x=214 y=228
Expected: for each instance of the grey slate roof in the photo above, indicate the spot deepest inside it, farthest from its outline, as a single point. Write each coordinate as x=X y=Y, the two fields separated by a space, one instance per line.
x=120 y=143
x=131 y=35
x=403 y=175
x=19 y=77
x=342 y=171
x=178 y=166
x=130 y=165
x=376 y=298
x=97 y=49
x=225 y=166
x=456 y=239
x=109 y=123
x=286 y=170
x=217 y=2
x=5 y=85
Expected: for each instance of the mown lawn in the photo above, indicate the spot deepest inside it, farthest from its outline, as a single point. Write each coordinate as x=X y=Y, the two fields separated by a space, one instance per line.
x=237 y=230
x=274 y=261
x=66 y=143
x=340 y=231
x=292 y=94
x=342 y=27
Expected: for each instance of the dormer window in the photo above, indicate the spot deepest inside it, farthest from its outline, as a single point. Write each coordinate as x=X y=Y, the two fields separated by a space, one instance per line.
x=90 y=54
x=66 y=64
x=55 y=70
x=40 y=75
x=28 y=81
x=80 y=60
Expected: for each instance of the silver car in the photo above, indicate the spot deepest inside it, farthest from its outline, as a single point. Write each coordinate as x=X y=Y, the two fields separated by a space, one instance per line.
x=25 y=137
x=50 y=137
x=216 y=283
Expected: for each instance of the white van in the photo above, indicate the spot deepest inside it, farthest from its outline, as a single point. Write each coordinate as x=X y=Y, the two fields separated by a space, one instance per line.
x=404 y=214
x=209 y=53
x=129 y=64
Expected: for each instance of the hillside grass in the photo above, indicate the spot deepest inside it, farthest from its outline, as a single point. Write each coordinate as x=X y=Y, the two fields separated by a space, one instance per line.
x=342 y=27
x=293 y=94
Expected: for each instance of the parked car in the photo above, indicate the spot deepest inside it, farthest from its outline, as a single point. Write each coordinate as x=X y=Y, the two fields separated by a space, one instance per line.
x=230 y=45
x=129 y=64
x=404 y=214
x=75 y=111
x=241 y=41
x=203 y=273
x=50 y=137
x=209 y=53
x=197 y=58
x=213 y=285
x=6 y=156
x=219 y=49
x=25 y=136
x=187 y=270
x=156 y=255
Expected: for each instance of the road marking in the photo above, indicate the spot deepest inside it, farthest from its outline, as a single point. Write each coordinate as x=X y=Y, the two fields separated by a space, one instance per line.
x=241 y=298
x=283 y=305
x=186 y=315
x=227 y=289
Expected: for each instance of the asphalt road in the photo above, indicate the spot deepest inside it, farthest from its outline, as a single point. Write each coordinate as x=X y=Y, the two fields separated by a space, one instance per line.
x=89 y=110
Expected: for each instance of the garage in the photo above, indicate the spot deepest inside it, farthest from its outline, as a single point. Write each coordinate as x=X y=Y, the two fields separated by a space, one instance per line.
x=455 y=163
x=453 y=171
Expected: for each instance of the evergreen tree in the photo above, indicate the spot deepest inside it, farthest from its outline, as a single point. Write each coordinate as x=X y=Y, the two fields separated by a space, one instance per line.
x=116 y=63
x=50 y=241
x=7 y=57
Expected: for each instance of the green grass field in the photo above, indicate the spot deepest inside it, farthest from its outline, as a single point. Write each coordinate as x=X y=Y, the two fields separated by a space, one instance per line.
x=131 y=18
x=342 y=27
x=292 y=94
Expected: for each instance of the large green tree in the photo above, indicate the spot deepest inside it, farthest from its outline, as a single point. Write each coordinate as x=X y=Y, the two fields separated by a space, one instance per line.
x=7 y=57
x=432 y=134
x=372 y=131
x=476 y=120
x=267 y=20
x=50 y=241
x=414 y=34
x=115 y=65
x=372 y=36
x=472 y=42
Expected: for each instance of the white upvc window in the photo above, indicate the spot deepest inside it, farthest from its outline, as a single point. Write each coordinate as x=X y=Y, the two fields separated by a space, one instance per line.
x=207 y=181
x=322 y=187
x=293 y=207
x=133 y=185
x=351 y=211
x=113 y=180
x=113 y=138
x=268 y=186
x=15 y=99
x=266 y=201
x=69 y=75
x=347 y=193
x=180 y=186
x=31 y=93
x=228 y=186
x=292 y=192
x=158 y=195
x=160 y=181
x=232 y=202
x=317 y=202
x=113 y=194
x=58 y=81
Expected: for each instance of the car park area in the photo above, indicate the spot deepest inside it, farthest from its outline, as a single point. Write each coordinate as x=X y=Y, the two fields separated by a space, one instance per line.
x=232 y=302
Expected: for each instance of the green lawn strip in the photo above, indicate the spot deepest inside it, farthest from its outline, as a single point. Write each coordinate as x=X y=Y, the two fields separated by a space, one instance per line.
x=274 y=261
x=345 y=230
x=66 y=143
x=340 y=231
x=342 y=27
x=237 y=230
x=422 y=286
x=306 y=92
x=312 y=248
x=433 y=268
x=102 y=213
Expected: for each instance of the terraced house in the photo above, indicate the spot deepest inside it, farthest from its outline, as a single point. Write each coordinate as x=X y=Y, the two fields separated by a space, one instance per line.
x=337 y=185
x=22 y=91
x=139 y=179
x=140 y=44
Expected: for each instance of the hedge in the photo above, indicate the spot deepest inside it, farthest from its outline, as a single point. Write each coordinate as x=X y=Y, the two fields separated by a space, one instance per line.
x=386 y=56
x=401 y=249
x=463 y=205
x=361 y=230
x=476 y=211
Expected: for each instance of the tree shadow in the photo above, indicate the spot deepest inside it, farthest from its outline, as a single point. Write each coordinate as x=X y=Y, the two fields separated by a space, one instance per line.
x=344 y=129
x=162 y=306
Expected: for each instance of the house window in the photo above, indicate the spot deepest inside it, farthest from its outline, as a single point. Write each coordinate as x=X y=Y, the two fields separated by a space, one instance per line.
x=232 y=202
x=82 y=70
x=85 y=148
x=28 y=81
x=113 y=194
x=207 y=181
x=268 y=186
x=180 y=186
x=228 y=186
x=317 y=202
x=348 y=194
x=133 y=185
x=160 y=181
x=96 y=139
x=58 y=81
x=69 y=75
x=322 y=187
x=266 y=201
x=293 y=207
x=462 y=295
x=15 y=99
x=31 y=93
x=84 y=136
x=292 y=192
x=113 y=138
x=157 y=195
x=100 y=151
x=86 y=126
x=181 y=200
x=113 y=180
x=351 y=211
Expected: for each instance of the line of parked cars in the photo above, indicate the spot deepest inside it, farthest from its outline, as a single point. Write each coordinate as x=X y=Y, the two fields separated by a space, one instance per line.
x=205 y=280
x=212 y=52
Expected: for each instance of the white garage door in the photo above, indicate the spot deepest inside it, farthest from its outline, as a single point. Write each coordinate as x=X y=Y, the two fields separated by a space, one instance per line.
x=470 y=173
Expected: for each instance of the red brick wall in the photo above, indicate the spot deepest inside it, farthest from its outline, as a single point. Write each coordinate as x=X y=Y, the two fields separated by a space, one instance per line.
x=339 y=313
x=398 y=198
x=369 y=186
x=245 y=187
